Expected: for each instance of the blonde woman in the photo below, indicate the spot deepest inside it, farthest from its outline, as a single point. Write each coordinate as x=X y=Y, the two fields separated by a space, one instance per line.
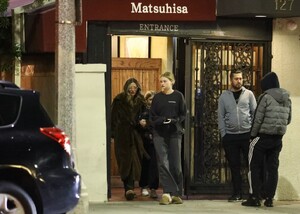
x=168 y=110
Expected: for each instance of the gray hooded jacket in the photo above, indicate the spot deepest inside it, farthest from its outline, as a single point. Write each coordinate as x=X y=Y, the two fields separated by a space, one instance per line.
x=236 y=118
x=273 y=112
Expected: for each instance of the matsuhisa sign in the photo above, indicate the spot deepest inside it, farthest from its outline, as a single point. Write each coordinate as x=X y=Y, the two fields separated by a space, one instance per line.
x=159 y=9
x=150 y=10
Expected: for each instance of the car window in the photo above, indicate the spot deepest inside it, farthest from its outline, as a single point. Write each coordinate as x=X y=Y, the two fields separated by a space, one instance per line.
x=9 y=108
x=45 y=119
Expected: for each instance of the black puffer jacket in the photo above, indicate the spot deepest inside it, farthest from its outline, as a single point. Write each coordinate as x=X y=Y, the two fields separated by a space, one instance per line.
x=273 y=112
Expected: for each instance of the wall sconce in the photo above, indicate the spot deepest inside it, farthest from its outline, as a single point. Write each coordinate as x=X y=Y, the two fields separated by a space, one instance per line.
x=291 y=25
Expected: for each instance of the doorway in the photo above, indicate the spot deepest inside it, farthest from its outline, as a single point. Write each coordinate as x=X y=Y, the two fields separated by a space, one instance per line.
x=207 y=67
x=146 y=68
x=209 y=64
x=146 y=72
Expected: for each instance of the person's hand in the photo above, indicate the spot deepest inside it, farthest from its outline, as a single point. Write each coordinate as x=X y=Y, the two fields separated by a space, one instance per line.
x=167 y=121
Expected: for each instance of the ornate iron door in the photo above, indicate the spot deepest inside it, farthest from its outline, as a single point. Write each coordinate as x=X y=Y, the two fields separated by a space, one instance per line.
x=209 y=64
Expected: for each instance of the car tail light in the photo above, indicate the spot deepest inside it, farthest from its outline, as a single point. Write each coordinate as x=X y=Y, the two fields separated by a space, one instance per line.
x=59 y=136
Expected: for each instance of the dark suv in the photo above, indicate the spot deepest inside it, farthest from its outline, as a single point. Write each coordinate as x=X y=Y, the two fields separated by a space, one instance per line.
x=37 y=174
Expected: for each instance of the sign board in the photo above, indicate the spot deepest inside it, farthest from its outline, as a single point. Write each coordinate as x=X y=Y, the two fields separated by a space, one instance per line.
x=146 y=10
x=241 y=29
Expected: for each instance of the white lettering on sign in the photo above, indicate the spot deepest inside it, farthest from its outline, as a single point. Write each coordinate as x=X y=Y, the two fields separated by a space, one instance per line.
x=166 y=8
x=158 y=27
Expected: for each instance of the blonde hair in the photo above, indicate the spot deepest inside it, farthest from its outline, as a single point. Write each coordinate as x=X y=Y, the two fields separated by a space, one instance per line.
x=169 y=75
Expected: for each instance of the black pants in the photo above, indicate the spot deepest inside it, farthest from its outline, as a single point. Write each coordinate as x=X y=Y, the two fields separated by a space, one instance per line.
x=129 y=182
x=149 y=173
x=264 y=154
x=234 y=145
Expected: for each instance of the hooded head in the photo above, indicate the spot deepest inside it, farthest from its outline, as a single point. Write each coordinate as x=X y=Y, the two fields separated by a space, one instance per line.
x=270 y=80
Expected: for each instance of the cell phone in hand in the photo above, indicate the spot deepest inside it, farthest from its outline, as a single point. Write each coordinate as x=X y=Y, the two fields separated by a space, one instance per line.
x=167 y=121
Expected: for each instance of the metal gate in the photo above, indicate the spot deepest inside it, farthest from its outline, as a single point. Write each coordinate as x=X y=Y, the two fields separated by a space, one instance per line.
x=208 y=66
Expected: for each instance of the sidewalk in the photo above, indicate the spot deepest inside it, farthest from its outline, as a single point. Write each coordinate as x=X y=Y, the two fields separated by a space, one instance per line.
x=193 y=206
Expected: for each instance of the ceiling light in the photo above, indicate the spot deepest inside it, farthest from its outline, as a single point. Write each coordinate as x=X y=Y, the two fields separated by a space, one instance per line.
x=260 y=16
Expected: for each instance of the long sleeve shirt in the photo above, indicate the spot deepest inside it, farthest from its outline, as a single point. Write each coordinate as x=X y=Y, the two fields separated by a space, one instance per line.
x=168 y=106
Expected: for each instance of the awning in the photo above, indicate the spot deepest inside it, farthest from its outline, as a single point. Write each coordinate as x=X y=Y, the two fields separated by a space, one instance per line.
x=17 y=3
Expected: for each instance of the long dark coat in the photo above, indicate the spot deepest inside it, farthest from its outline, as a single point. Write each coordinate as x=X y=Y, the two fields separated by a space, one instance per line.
x=129 y=148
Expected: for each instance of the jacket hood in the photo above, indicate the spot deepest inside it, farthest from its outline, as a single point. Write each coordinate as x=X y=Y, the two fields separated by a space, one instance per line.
x=280 y=95
x=270 y=80
x=128 y=82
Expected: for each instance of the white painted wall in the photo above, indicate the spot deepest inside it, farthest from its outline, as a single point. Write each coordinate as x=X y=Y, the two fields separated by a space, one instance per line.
x=91 y=129
x=286 y=63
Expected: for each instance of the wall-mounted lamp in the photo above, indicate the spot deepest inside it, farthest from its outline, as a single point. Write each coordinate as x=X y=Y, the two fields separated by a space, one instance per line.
x=291 y=25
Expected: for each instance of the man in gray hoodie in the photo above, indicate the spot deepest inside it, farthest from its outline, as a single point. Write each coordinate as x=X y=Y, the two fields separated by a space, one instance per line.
x=271 y=118
x=235 y=112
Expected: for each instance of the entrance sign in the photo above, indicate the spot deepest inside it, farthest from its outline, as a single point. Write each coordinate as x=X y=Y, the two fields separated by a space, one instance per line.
x=159 y=27
x=253 y=29
x=149 y=10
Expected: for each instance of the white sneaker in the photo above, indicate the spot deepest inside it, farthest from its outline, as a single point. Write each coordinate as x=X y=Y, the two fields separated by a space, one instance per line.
x=145 y=192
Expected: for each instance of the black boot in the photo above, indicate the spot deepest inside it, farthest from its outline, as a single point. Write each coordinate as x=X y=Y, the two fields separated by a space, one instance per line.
x=251 y=202
x=235 y=197
x=129 y=195
x=269 y=202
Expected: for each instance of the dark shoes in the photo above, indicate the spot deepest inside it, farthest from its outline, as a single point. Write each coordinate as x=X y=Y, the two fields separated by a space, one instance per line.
x=268 y=202
x=255 y=202
x=129 y=195
x=153 y=193
x=251 y=202
x=235 y=197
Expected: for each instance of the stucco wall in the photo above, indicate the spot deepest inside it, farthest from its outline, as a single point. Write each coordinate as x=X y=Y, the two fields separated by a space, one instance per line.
x=91 y=129
x=286 y=63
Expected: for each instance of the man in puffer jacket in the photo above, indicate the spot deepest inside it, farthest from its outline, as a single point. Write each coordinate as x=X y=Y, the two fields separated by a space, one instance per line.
x=271 y=118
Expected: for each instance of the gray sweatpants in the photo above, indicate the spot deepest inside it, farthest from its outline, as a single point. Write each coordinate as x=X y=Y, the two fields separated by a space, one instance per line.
x=168 y=151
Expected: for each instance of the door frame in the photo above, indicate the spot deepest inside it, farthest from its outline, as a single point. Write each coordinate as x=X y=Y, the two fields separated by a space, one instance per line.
x=192 y=187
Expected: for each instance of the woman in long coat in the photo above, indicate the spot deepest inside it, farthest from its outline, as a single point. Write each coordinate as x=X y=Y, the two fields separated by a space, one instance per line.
x=129 y=150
